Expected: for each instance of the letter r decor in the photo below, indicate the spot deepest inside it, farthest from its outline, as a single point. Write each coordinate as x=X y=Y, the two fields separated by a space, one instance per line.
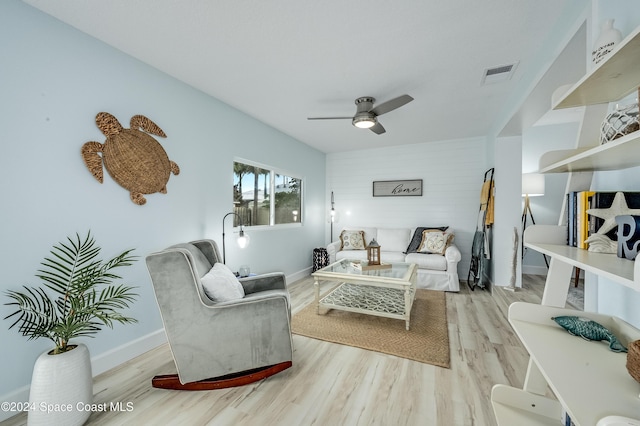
x=397 y=188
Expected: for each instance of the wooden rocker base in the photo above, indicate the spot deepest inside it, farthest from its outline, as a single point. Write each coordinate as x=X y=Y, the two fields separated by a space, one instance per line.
x=171 y=381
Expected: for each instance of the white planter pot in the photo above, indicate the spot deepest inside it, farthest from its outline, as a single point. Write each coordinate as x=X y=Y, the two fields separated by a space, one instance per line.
x=61 y=388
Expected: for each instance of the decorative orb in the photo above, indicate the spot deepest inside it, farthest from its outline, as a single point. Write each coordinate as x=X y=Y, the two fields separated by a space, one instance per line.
x=620 y=122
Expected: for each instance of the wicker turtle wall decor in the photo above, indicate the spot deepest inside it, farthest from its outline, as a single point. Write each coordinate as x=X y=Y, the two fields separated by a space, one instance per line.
x=133 y=158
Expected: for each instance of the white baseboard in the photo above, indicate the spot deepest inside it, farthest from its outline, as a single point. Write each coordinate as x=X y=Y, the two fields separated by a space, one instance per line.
x=99 y=364
x=298 y=275
x=490 y=284
x=18 y=395
x=116 y=356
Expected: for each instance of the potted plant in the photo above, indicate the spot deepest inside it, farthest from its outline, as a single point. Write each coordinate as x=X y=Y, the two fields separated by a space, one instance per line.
x=78 y=299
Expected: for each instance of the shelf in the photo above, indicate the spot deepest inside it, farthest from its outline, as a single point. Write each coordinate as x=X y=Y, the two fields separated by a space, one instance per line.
x=591 y=381
x=606 y=265
x=619 y=154
x=516 y=407
x=612 y=79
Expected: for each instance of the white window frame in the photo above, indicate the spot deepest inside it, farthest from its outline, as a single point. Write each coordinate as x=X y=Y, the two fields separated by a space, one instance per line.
x=272 y=183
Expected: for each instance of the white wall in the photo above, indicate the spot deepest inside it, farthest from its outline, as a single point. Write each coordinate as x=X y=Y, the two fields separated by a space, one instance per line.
x=508 y=209
x=54 y=81
x=452 y=174
x=546 y=209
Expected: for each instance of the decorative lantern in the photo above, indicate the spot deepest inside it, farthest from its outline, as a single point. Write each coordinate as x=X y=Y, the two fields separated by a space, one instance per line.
x=373 y=252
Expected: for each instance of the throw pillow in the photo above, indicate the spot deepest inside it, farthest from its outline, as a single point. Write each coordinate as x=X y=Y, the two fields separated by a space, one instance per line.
x=414 y=245
x=352 y=240
x=221 y=285
x=435 y=242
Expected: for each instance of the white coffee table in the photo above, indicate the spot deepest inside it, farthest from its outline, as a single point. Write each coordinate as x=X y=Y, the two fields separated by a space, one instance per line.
x=385 y=292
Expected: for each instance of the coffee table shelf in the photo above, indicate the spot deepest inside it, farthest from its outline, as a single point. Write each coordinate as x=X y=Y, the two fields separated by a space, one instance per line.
x=388 y=302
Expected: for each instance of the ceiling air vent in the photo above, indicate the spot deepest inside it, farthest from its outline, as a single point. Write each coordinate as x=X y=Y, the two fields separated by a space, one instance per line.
x=498 y=74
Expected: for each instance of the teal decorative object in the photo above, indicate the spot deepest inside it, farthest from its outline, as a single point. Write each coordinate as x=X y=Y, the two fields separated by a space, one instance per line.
x=589 y=330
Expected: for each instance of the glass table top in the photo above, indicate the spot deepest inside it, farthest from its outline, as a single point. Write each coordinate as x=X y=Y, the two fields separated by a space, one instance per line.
x=360 y=267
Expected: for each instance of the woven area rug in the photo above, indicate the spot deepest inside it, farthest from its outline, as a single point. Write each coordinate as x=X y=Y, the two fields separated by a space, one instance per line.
x=427 y=341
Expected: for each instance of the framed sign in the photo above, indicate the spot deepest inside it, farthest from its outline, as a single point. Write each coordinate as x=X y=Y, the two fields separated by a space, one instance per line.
x=397 y=188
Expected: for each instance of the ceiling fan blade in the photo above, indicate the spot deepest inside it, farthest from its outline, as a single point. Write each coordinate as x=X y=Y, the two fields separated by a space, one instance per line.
x=377 y=129
x=385 y=107
x=329 y=118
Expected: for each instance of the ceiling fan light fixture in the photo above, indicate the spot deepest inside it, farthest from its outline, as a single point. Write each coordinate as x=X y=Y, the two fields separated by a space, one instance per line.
x=367 y=115
x=364 y=121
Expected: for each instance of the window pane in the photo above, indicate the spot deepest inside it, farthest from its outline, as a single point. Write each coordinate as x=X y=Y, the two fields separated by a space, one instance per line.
x=288 y=199
x=250 y=195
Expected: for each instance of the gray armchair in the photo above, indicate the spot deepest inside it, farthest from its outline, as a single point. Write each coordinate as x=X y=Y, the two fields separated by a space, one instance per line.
x=219 y=344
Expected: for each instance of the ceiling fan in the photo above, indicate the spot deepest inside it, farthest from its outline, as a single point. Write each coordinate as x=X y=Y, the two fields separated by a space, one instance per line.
x=367 y=116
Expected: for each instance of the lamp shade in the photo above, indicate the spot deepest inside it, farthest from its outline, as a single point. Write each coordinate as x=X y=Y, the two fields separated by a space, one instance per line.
x=532 y=184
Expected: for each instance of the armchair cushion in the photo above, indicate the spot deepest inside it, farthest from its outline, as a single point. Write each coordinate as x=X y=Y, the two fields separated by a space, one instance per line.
x=221 y=285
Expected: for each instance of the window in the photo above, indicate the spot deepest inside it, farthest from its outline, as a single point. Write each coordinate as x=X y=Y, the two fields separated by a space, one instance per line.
x=263 y=196
x=288 y=203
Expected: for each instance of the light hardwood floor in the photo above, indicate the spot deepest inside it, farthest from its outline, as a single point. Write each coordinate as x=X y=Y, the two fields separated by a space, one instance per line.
x=331 y=384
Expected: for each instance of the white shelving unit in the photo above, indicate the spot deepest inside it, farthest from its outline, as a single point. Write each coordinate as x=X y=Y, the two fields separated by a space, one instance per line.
x=612 y=79
x=609 y=266
x=619 y=154
x=590 y=381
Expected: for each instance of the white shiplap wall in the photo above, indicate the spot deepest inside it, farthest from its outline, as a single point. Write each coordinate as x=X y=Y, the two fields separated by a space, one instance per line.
x=452 y=173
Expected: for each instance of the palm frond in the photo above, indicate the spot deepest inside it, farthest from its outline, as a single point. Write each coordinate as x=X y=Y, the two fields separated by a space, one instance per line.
x=69 y=263
x=86 y=298
x=35 y=314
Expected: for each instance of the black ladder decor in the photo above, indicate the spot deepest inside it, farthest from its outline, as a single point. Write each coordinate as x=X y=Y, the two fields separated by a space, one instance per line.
x=480 y=249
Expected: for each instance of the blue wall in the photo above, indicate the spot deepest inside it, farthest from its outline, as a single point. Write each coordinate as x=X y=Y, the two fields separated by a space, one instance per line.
x=53 y=81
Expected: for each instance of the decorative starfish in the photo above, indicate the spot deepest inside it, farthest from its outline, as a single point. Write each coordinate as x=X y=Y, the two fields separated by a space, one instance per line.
x=618 y=208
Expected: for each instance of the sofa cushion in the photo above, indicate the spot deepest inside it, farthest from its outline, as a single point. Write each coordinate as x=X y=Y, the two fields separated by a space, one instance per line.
x=393 y=239
x=353 y=255
x=392 y=256
x=221 y=285
x=352 y=240
x=417 y=237
x=434 y=262
x=385 y=257
x=435 y=242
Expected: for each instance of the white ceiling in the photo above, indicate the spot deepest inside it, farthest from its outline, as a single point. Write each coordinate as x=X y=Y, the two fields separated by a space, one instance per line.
x=283 y=61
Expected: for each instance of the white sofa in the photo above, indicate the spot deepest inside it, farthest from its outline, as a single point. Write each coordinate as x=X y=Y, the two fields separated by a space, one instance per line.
x=435 y=271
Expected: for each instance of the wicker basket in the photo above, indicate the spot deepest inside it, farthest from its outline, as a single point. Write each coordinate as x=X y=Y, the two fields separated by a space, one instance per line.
x=633 y=360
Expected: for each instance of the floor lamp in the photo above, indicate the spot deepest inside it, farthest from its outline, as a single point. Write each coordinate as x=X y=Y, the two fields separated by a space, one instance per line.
x=532 y=186
x=333 y=215
x=243 y=238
